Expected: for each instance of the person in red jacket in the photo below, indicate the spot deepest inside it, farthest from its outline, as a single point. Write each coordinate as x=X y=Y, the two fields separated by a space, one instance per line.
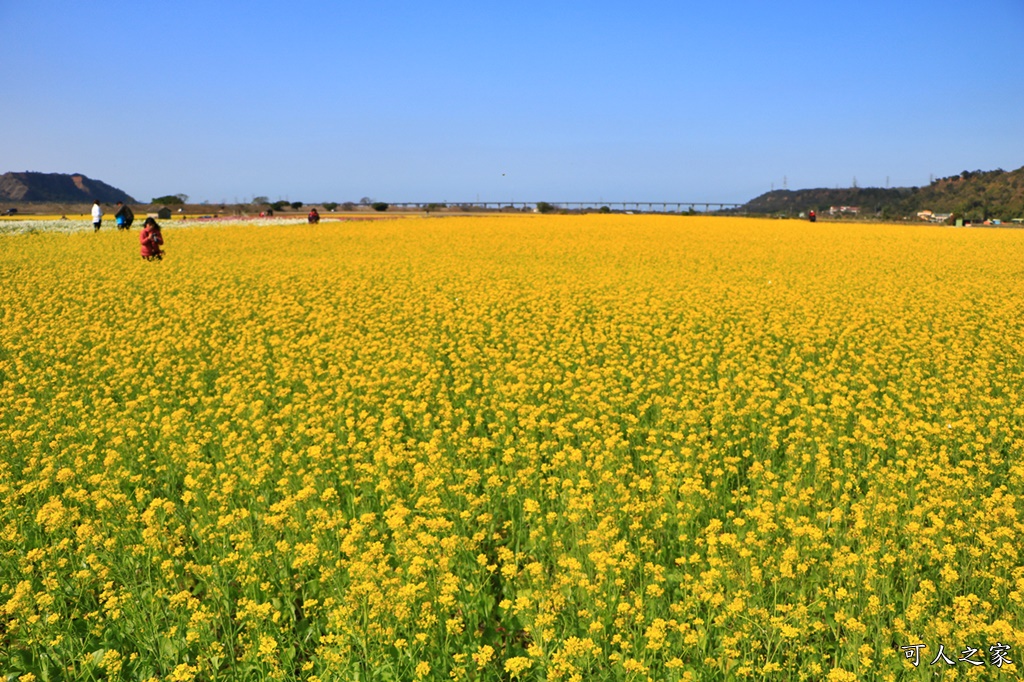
x=151 y=240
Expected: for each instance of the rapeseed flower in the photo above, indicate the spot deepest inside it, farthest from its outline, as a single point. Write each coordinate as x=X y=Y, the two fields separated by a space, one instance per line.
x=559 y=447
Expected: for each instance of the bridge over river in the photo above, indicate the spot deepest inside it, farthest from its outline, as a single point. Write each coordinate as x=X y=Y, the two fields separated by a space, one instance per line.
x=639 y=206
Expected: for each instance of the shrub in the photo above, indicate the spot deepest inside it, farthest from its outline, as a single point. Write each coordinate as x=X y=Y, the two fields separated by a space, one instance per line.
x=379 y=206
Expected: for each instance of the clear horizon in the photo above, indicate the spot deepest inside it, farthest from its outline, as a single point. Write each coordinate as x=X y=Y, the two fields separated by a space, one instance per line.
x=570 y=202
x=457 y=102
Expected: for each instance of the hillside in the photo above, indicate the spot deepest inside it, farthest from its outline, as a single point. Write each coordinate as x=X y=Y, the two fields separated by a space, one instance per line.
x=976 y=195
x=58 y=188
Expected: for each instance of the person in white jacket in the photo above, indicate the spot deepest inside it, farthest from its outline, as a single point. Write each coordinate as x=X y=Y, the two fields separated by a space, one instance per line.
x=97 y=216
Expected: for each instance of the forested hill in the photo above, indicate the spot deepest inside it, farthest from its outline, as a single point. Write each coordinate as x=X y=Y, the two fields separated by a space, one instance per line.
x=975 y=195
x=58 y=188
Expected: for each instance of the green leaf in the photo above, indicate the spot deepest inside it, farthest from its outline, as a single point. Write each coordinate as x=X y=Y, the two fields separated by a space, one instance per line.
x=168 y=649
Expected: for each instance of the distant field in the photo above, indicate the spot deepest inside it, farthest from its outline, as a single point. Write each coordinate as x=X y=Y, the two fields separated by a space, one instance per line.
x=22 y=225
x=530 y=447
x=44 y=216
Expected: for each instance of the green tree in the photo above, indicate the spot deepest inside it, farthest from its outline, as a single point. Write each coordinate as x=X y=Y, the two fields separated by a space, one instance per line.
x=296 y=205
x=379 y=206
x=169 y=200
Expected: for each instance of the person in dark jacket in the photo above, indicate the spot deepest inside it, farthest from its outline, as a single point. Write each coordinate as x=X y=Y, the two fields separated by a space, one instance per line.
x=314 y=217
x=124 y=216
x=151 y=240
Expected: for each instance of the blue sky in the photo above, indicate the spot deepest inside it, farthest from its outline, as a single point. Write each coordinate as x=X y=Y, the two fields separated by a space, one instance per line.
x=526 y=101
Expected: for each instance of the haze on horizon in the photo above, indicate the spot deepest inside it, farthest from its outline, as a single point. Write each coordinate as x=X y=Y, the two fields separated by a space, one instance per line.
x=459 y=101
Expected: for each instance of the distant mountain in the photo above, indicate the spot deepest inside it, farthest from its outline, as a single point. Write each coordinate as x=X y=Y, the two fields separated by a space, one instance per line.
x=975 y=195
x=58 y=188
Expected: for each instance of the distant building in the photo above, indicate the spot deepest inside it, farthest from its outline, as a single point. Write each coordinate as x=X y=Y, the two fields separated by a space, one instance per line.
x=838 y=210
x=930 y=217
x=163 y=213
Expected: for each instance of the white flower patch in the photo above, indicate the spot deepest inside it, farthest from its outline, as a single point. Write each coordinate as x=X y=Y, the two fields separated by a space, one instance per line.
x=15 y=227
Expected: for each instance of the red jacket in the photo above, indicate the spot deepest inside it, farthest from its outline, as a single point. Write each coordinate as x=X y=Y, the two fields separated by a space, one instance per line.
x=151 y=240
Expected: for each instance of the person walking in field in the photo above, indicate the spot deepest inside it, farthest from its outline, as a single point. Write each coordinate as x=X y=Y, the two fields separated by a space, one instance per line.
x=124 y=216
x=151 y=239
x=97 y=215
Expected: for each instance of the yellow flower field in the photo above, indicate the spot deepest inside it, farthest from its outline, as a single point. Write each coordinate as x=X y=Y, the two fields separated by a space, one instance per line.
x=513 y=448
